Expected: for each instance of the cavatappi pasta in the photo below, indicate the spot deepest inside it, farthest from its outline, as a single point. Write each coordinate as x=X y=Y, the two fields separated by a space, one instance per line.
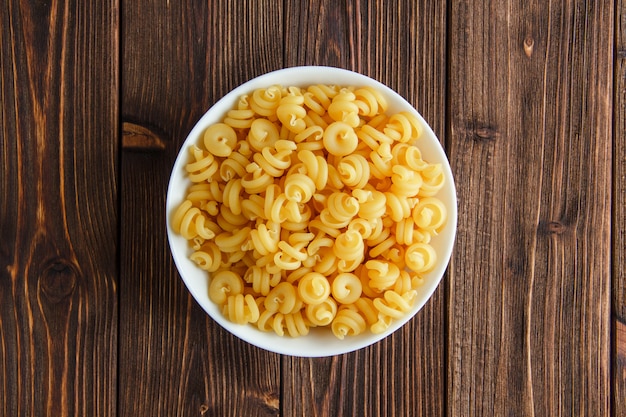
x=311 y=207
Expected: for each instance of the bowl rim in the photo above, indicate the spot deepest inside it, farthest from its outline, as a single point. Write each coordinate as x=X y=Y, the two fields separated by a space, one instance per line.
x=285 y=345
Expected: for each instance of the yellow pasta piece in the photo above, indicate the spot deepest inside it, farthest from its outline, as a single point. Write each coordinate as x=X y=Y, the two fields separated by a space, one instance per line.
x=321 y=314
x=348 y=322
x=239 y=118
x=299 y=187
x=265 y=101
x=224 y=284
x=296 y=325
x=429 y=214
x=263 y=133
x=220 y=139
x=349 y=246
x=433 y=180
x=281 y=298
x=346 y=288
x=382 y=274
x=339 y=139
x=241 y=309
x=208 y=257
x=202 y=167
x=313 y=288
x=420 y=257
x=291 y=113
x=342 y=207
x=354 y=171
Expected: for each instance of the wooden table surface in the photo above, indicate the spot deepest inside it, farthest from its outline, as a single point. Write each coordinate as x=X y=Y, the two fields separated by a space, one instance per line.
x=528 y=98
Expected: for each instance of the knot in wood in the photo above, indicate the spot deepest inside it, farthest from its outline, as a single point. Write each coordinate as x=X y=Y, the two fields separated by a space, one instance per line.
x=140 y=138
x=485 y=134
x=529 y=44
x=551 y=227
x=58 y=280
x=555 y=227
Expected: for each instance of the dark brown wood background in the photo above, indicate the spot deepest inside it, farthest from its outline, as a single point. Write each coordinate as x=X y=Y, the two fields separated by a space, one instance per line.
x=528 y=98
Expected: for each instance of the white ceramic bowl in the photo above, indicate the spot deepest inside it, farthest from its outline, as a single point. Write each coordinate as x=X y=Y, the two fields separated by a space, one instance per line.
x=319 y=342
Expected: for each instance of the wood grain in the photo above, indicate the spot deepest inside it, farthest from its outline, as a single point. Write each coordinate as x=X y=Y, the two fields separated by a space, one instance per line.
x=530 y=136
x=58 y=211
x=178 y=59
x=529 y=99
x=619 y=215
x=401 y=44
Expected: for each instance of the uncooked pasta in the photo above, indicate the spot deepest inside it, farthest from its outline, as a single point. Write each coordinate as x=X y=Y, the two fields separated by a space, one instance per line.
x=312 y=207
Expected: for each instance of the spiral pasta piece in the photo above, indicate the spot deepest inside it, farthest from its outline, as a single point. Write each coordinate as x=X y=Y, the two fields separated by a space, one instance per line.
x=405 y=231
x=239 y=118
x=369 y=101
x=241 y=309
x=291 y=113
x=208 y=257
x=327 y=261
x=261 y=279
x=232 y=241
x=380 y=162
x=256 y=180
x=403 y=127
x=349 y=246
x=405 y=181
x=262 y=133
x=420 y=257
x=224 y=284
x=205 y=192
x=344 y=109
x=347 y=288
x=365 y=306
x=313 y=288
x=296 y=325
x=233 y=190
x=299 y=187
x=203 y=166
x=275 y=160
x=265 y=237
x=342 y=206
x=433 y=180
x=265 y=101
x=394 y=304
x=316 y=168
x=321 y=314
x=233 y=167
x=398 y=207
x=190 y=222
x=348 y=322
x=429 y=214
x=354 y=171
x=322 y=94
x=281 y=298
x=220 y=139
x=372 y=203
x=404 y=283
x=340 y=139
x=382 y=274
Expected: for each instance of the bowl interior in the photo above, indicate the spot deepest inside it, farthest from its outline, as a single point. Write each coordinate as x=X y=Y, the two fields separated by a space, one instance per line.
x=319 y=342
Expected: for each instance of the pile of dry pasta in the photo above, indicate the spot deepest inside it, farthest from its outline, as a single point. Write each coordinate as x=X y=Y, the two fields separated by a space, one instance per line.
x=312 y=207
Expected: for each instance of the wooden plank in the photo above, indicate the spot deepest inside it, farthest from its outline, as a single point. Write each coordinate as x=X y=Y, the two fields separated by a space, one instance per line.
x=530 y=131
x=179 y=59
x=618 y=289
x=402 y=44
x=58 y=211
